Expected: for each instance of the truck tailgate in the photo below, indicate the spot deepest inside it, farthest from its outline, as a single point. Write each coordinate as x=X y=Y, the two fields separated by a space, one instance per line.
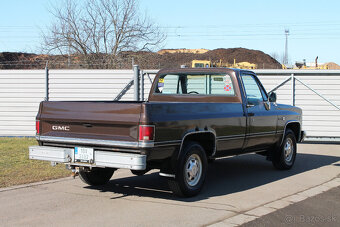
x=90 y=121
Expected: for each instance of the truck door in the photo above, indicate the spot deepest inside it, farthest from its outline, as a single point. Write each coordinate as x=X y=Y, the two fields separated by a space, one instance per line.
x=261 y=117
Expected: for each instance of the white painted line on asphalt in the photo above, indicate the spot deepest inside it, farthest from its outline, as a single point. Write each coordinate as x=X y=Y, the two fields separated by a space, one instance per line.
x=267 y=208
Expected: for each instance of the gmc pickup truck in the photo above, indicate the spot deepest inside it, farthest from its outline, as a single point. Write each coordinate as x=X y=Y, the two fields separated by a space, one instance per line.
x=192 y=117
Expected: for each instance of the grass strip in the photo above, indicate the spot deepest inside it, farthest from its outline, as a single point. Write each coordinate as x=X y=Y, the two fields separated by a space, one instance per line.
x=16 y=168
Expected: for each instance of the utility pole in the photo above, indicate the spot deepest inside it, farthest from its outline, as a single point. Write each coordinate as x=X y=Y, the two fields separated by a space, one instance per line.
x=285 y=61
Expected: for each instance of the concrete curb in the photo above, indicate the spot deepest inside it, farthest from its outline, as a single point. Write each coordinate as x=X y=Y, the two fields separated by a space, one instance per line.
x=257 y=212
x=34 y=184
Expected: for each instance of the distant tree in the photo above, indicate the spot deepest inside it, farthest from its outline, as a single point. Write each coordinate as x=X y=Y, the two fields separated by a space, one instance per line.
x=96 y=28
x=276 y=56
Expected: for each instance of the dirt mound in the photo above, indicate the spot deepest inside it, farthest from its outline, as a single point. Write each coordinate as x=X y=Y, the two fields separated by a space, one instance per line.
x=146 y=60
x=11 y=56
x=170 y=60
x=244 y=55
x=332 y=65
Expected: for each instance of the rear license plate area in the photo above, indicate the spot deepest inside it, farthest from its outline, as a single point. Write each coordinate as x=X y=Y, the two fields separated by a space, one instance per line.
x=83 y=154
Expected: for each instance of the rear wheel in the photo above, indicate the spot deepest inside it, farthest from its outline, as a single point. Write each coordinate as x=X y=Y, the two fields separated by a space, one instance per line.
x=96 y=176
x=190 y=171
x=284 y=158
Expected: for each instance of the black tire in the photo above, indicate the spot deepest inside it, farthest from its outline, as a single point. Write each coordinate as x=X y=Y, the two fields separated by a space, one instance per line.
x=139 y=172
x=96 y=176
x=211 y=160
x=284 y=157
x=193 y=161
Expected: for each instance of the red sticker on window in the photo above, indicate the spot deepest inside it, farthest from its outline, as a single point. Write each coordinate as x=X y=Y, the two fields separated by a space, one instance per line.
x=227 y=87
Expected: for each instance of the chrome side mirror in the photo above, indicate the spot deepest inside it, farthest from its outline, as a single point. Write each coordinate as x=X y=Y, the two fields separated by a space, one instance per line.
x=272 y=96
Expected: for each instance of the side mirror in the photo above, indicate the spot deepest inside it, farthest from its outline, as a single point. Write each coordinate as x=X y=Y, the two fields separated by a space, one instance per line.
x=272 y=96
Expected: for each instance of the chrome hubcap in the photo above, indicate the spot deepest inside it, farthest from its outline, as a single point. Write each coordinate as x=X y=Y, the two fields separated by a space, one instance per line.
x=193 y=170
x=288 y=150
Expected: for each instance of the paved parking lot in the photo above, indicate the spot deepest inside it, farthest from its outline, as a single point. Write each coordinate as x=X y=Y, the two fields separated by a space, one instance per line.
x=244 y=186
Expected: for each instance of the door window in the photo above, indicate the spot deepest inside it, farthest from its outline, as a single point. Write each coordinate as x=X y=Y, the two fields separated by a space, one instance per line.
x=253 y=92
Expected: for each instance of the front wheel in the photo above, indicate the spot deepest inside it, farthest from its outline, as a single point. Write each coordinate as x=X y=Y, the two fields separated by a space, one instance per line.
x=96 y=176
x=190 y=171
x=284 y=158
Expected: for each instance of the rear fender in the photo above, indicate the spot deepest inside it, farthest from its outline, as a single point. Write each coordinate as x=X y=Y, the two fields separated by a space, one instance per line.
x=192 y=136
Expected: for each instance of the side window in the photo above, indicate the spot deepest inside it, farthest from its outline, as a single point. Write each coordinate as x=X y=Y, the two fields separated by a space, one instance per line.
x=253 y=92
x=168 y=84
x=199 y=84
x=221 y=85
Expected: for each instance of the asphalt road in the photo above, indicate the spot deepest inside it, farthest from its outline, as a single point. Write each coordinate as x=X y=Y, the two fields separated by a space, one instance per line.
x=320 y=210
x=234 y=186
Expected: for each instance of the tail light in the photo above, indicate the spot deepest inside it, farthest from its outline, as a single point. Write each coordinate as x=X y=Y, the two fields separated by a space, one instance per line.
x=37 y=127
x=146 y=132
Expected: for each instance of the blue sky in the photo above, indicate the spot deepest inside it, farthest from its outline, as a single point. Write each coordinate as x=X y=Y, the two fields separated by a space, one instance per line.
x=314 y=25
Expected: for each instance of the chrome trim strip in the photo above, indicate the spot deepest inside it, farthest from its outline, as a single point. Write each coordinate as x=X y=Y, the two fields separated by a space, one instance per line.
x=146 y=144
x=246 y=135
x=167 y=142
x=221 y=138
x=261 y=133
x=167 y=175
x=96 y=142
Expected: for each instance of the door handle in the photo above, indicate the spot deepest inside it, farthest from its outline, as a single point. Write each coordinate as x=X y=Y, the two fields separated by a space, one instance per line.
x=251 y=114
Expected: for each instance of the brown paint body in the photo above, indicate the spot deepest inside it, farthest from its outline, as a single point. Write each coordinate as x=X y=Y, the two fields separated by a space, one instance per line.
x=236 y=128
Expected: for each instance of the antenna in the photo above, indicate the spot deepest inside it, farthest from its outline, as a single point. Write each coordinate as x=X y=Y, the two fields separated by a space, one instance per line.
x=285 y=60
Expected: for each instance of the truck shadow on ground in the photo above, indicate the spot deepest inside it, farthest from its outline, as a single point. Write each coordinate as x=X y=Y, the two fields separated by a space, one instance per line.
x=225 y=176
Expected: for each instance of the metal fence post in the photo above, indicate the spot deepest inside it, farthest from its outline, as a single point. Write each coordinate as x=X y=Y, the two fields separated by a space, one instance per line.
x=141 y=85
x=293 y=89
x=136 y=82
x=47 y=82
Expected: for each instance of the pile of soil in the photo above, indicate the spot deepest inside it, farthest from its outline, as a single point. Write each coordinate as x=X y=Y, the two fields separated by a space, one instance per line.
x=146 y=60
x=332 y=65
x=170 y=60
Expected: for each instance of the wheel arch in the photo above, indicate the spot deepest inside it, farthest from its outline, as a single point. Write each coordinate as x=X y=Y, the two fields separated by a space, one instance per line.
x=295 y=126
x=207 y=139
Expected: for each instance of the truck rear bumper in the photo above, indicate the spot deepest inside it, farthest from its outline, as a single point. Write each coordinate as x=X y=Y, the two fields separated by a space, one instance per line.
x=100 y=159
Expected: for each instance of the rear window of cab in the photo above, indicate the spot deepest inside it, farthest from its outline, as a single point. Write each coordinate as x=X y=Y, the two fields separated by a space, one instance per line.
x=201 y=84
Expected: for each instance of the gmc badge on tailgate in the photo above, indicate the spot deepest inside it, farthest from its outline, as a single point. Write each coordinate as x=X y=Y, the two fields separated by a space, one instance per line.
x=60 y=128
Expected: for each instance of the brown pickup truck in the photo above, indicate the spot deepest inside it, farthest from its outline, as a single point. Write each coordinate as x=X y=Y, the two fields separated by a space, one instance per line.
x=192 y=117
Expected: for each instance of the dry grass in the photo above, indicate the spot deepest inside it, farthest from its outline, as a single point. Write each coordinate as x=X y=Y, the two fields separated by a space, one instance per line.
x=16 y=168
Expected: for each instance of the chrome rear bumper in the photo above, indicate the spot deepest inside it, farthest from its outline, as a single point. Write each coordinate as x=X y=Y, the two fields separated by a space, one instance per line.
x=101 y=158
